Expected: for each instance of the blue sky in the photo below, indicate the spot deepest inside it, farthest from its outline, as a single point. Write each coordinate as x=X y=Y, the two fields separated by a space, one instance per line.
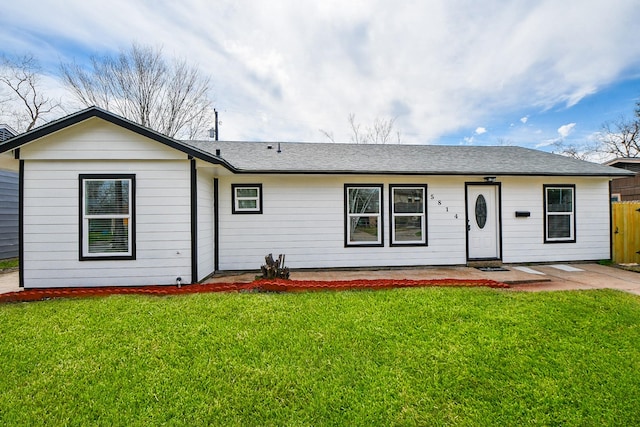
x=450 y=71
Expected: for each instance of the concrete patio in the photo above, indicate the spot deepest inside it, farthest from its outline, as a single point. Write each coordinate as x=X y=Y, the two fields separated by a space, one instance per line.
x=543 y=277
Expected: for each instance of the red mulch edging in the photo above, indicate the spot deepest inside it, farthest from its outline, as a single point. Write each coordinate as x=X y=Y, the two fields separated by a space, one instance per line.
x=277 y=285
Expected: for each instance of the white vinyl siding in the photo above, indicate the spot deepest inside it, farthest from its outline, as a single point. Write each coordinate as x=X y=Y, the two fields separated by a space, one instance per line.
x=523 y=237
x=205 y=222
x=304 y=218
x=96 y=139
x=51 y=206
x=51 y=229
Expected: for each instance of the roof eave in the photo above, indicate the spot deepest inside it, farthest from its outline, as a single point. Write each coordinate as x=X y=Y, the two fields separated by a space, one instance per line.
x=91 y=112
x=429 y=173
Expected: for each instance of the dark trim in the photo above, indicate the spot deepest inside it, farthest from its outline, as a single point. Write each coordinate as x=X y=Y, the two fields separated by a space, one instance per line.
x=498 y=185
x=16 y=153
x=421 y=173
x=544 y=212
x=81 y=178
x=194 y=221
x=80 y=218
x=391 y=214
x=91 y=112
x=233 y=199
x=216 y=226
x=346 y=216
x=21 y=224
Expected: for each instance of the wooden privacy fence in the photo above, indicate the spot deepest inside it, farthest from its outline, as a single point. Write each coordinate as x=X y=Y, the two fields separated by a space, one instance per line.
x=626 y=232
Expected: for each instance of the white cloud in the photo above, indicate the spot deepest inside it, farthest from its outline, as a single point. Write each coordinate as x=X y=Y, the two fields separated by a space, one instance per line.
x=480 y=130
x=565 y=130
x=524 y=119
x=548 y=142
x=305 y=66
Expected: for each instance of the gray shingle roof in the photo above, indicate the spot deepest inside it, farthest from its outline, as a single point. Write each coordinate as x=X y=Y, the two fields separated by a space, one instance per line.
x=398 y=159
x=323 y=158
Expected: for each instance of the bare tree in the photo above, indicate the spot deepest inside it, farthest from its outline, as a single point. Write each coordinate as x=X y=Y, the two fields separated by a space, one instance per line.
x=574 y=151
x=382 y=131
x=170 y=97
x=621 y=137
x=617 y=138
x=22 y=99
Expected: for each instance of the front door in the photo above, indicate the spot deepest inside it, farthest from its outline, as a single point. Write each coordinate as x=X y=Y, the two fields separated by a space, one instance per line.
x=483 y=221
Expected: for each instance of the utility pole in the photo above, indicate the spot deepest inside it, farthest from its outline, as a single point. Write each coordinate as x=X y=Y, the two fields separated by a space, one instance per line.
x=215 y=112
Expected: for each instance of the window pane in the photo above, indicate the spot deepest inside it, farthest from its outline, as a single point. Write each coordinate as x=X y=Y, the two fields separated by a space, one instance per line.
x=247 y=192
x=247 y=204
x=408 y=200
x=107 y=197
x=364 y=200
x=559 y=226
x=560 y=200
x=108 y=235
x=363 y=229
x=408 y=229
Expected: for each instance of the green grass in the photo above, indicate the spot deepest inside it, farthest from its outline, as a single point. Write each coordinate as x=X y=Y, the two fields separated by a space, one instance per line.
x=398 y=357
x=8 y=263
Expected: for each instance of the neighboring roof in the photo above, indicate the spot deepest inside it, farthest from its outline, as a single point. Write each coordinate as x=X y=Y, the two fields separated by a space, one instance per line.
x=6 y=132
x=80 y=116
x=337 y=158
x=628 y=163
x=331 y=158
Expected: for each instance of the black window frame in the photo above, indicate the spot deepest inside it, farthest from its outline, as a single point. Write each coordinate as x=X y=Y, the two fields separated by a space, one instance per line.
x=132 y=216
x=349 y=244
x=235 y=210
x=570 y=239
x=392 y=215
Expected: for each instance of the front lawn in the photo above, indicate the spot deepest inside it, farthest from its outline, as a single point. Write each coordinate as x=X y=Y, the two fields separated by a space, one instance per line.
x=428 y=356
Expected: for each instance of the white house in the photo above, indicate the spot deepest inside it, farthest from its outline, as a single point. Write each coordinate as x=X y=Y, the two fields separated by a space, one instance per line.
x=104 y=201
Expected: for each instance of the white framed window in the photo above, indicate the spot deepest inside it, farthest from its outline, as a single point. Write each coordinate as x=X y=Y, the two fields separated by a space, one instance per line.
x=247 y=198
x=559 y=213
x=363 y=215
x=407 y=206
x=107 y=216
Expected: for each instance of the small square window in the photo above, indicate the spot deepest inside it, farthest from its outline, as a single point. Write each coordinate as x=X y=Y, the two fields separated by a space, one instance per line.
x=247 y=198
